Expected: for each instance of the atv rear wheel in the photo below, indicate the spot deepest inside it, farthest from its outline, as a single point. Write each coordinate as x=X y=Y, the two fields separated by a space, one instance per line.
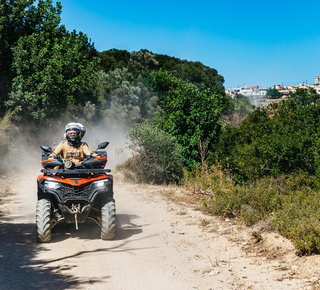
x=43 y=220
x=108 y=220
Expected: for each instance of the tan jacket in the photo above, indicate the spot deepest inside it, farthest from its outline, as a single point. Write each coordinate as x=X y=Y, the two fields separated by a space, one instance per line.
x=74 y=153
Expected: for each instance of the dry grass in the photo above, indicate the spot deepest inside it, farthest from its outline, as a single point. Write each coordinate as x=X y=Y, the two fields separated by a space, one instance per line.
x=272 y=247
x=205 y=222
x=214 y=194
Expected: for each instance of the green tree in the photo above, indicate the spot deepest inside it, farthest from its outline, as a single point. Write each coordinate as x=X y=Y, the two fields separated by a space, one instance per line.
x=20 y=18
x=241 y=104
x=280 y=139
x=138 y=62
x=238 y=109
x=305 y=96
x=108 y=82
x=124 y=100
x=274 y=94
x=114 y=58
x=188 y=114
x=143 y=60
x=52 y=71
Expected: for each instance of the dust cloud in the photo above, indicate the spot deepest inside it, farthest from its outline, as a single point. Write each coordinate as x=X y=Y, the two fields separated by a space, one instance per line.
x=116 y=150
x=233 y=118
x=25 y=156
x=21 y=167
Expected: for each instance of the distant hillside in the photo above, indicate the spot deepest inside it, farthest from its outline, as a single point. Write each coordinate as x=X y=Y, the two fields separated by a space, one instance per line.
x=144 y=60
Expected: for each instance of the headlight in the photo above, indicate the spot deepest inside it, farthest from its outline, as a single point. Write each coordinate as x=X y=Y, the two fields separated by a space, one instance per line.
x=101 y=183
x=51 y=184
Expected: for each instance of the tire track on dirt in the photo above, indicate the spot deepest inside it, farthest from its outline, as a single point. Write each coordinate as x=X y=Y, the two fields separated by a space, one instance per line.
x=158 y=245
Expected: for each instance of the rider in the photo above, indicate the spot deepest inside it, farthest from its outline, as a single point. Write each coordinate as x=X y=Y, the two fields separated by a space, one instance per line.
x=72 y=148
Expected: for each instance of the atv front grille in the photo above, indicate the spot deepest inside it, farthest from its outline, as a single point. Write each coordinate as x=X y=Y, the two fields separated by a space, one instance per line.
x=69 y=190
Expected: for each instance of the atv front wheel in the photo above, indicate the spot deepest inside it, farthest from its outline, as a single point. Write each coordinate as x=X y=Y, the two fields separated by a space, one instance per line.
x=43 y=219
x=108 y=220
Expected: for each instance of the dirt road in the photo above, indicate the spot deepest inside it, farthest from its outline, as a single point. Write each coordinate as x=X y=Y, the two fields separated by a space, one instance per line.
x=159 y=245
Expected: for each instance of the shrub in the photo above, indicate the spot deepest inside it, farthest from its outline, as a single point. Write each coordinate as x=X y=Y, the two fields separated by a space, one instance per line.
x=205 y=180
x=280 y=139
x=7 y=142
x=250 y=203
x=299 y=222
x=157 y=156
x=290 y=202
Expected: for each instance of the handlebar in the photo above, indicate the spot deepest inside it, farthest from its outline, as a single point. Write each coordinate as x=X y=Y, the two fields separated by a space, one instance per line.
x=75 y=171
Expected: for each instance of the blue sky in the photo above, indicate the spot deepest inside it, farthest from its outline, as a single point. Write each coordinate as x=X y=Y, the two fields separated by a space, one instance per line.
x=247 y=42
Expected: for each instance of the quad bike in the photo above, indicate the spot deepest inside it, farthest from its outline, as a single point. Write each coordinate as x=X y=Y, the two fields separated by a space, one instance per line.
x=75 y=194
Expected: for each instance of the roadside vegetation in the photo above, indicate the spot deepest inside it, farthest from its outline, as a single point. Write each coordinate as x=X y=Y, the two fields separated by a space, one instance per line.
x=156 y=156
x=242 y=162
x=265 y=168
x=8 y=133
x=288 y=203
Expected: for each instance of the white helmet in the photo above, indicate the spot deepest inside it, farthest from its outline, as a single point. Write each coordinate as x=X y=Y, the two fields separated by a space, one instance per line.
x=75 y=126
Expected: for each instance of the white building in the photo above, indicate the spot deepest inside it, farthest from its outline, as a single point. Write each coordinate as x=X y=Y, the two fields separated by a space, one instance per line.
x=255 y=93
